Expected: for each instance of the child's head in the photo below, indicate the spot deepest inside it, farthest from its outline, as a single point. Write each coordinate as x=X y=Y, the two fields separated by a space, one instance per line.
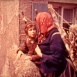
x=30 y=29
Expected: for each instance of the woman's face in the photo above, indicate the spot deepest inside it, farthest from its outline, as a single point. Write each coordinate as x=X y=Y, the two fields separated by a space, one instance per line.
x=32 y=32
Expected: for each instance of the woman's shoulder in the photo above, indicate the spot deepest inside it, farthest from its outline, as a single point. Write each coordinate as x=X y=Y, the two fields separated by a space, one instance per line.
x=53 y=31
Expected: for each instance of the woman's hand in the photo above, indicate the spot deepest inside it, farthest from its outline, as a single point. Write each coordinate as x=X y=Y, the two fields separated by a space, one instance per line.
x=38 y=51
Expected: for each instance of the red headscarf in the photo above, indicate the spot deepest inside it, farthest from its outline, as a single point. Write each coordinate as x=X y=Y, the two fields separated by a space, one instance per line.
x=44 y=21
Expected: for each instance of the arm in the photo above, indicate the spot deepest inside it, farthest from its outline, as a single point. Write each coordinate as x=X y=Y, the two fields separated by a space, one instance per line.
x=22 y=47
x=56 y=51
x=20 y=50
x=38 y=51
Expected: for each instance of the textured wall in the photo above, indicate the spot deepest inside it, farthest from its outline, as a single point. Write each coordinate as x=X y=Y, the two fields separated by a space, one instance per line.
x=9 y=28
x=25 y=6
x=64 y=1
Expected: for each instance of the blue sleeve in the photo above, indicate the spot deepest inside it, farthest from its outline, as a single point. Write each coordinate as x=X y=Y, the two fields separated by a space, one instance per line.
x=56 y=49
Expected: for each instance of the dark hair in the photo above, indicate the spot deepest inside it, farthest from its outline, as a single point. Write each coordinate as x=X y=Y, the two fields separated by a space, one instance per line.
x=29 y=25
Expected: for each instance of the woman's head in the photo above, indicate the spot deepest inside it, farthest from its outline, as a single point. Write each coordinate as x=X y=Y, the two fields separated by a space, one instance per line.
x=44 y=21
x=30 y=29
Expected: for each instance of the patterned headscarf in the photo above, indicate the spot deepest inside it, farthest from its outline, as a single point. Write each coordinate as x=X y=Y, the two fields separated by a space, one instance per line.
x=44 y=21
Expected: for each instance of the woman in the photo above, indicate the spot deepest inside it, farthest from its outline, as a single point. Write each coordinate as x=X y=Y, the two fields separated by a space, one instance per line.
x=51 y=48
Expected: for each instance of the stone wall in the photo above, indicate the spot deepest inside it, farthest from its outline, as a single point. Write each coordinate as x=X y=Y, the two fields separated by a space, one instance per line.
x=25 y=6
x=64 y=1
x=9 y=28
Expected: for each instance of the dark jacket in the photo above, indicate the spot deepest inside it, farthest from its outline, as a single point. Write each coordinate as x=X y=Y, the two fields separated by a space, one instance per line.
x=28 y=46
x=53 y=53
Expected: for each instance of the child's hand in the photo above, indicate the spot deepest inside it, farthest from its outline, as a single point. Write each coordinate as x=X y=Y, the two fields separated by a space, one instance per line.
x=18 y=55
x=28 y=58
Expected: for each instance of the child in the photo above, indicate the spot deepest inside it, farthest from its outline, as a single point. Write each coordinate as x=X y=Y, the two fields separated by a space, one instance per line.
x=28 y=47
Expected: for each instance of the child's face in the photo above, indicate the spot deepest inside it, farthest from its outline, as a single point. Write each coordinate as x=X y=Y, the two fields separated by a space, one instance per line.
x=32 y=32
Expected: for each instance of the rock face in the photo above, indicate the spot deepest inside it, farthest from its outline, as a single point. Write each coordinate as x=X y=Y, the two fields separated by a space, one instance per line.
x=26 y=68
x=19 y=68
x=9 y=31
x=9 y=40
